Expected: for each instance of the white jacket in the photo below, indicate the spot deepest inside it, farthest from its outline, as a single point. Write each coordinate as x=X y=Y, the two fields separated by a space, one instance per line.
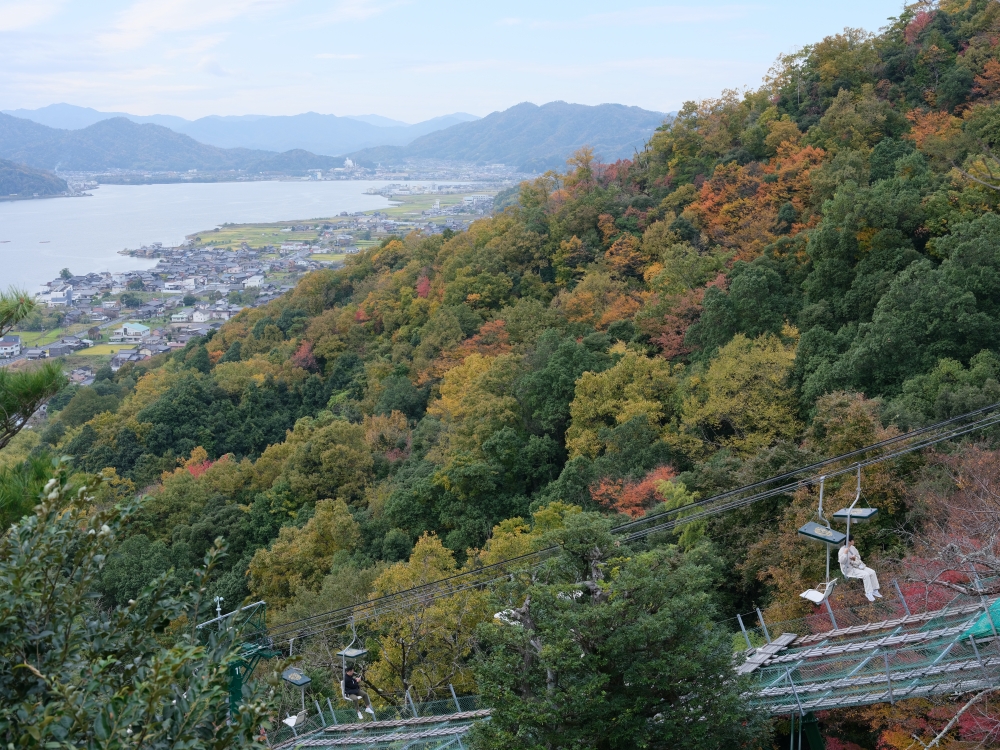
x=850 y=561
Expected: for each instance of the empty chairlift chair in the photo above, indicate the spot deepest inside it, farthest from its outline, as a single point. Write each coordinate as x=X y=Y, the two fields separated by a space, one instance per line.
x=822 y=532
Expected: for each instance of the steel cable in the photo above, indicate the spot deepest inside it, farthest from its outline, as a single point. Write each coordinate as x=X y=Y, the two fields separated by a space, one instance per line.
x=485 y=575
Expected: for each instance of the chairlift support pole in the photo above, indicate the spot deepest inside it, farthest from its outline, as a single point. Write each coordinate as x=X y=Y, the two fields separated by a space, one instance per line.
x=826 y=601
x=975 y=650
x=888 y=677
x=902 y=598
x=763 y=625
x=744 y=629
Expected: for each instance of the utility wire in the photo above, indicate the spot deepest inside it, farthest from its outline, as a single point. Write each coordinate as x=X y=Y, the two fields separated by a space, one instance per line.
x=632 y=531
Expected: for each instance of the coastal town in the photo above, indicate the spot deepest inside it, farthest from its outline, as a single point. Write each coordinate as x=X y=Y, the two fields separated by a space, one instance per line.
x=209 y=278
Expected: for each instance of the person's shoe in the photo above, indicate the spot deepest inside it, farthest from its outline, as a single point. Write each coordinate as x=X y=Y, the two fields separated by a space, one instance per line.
x=361 y=716
x=870 y=597
x=370 y=710
x=878 y=594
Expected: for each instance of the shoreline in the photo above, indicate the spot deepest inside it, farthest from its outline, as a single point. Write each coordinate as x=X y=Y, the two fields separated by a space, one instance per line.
x=89 y=236
x=13 y=198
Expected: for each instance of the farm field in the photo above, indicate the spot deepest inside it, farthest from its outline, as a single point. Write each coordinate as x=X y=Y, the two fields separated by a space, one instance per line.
x=255 y=235
x=102 y=349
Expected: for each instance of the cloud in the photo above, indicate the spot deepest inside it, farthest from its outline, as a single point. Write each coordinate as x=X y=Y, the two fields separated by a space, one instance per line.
x=332 y=56
x=197 y=46
x=358 y=10
x=22 y=14
x=652 y=15
x=669 y=66
x=212 y=66
x=146 y=19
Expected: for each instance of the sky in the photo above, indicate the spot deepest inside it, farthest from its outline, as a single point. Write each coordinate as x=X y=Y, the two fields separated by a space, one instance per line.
x=405 y=59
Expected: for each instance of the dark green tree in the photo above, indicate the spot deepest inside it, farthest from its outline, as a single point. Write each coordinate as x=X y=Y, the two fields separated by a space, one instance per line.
x=73 y=674
x=233 y=353
x=198 y=360
x=612 y=649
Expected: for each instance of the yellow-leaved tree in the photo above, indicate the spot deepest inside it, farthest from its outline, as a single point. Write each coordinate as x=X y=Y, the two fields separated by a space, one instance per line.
x=301 y=557
x=743 y=402
x=425 y=648
x=477 y=400
x=637 y=386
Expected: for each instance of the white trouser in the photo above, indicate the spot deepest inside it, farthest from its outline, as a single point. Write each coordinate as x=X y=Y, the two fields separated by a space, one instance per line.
x=867 y=575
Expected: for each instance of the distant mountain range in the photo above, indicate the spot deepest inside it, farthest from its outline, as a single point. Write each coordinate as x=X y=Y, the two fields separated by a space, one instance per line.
x=23 y=181
x=531 y=137
x=321 y=134
x=122 y=144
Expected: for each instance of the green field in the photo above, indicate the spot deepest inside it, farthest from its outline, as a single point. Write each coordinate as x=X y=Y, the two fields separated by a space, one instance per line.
x=32 y=339
x=103 y=349
x=414 y=205
x=258 y=235
x=328 y=257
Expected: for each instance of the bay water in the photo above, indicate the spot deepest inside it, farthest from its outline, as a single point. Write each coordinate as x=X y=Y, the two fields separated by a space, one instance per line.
x=40 y=237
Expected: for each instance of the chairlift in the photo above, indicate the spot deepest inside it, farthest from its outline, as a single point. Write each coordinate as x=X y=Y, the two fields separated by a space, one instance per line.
x=822 y=532
x=854 y=567
x=354 y=654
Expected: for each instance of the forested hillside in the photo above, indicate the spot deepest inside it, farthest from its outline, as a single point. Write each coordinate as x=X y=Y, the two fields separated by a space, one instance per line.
x=780 y=275
x=17 y=179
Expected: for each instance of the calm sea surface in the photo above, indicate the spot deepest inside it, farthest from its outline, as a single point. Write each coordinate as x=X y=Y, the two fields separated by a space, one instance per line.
x=85 y=234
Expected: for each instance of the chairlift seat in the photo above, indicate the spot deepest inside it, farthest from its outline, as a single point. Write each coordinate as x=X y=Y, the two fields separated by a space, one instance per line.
x=294 y=721
x=353 y=653
x=821 y=533
x=855 y=514
x=819 y=594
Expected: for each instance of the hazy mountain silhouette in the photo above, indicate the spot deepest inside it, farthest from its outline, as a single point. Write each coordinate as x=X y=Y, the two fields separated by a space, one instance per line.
x=531 y=137
x=119 y=143
x=321 y=134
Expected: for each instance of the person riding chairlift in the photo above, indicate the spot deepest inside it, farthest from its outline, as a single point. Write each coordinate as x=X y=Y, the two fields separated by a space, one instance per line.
x=353 y=687
x=852 y=567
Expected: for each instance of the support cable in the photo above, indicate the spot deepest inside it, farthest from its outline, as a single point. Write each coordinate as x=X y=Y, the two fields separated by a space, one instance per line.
x=631 y=531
